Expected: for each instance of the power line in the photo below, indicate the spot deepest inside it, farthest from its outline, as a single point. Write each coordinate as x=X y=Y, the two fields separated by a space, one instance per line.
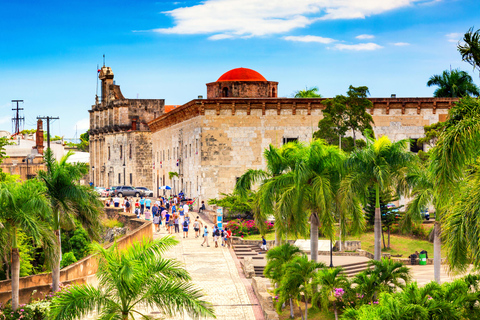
x=48 y=118
x=17 y=120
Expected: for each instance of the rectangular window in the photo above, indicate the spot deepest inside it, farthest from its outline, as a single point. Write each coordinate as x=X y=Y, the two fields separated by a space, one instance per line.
x=119 y=178
x=287 y=140
x=196 y=146
x=414 y=146
x=130 y=151
x=190 y=147
x=108 y=152
x=131 y=178
x=121 y=152
x=163 y=153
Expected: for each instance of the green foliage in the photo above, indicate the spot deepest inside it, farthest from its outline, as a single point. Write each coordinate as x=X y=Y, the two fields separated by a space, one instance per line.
x=388 y=214
x=3 y=142
x=132 y=278
x=453 y=84
x=307 y=93
x=76 y=241
x=111 y=223
x=27 y=254
x=172 y=174
x=235 y=203
x=327 y=132
x=28 y=131
x=277 y=259
x=344 y=113
x=470 y=49
x=68 y=258
x=241 y=228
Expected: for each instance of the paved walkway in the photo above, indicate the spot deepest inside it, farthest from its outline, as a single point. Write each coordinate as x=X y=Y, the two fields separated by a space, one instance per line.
x=214 y=271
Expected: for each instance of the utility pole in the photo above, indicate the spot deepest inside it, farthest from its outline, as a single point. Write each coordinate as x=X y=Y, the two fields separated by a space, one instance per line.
x=48 y=118
x=17 y=119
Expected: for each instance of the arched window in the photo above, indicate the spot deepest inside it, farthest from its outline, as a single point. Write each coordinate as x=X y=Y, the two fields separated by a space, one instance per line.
x=225 y=92
x=273 y=93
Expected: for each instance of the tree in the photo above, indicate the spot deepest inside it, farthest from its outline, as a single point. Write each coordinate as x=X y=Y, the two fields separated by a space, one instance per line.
x=308 y=93
x=332 y=285
x=328 y=132
x=470 y=50
x=277 y=259
x=236 y=204
x=130 y=278
x=453 y=84
x=69 y=202
x=3 y=142
x=24 y=208
x=381 y=165
x=344 y=113
x=297 y=281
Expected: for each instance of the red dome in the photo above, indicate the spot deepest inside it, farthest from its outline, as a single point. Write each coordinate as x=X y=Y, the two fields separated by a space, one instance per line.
x=241 y=74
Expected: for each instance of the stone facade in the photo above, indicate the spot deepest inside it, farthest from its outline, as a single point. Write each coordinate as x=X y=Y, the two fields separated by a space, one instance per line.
x=230 y=135
x=120 y=139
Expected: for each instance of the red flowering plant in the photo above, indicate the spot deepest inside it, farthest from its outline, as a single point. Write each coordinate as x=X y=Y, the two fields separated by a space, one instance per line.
x=241 y=228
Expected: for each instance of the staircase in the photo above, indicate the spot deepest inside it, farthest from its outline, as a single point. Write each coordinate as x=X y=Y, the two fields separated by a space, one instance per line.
x=352 y=269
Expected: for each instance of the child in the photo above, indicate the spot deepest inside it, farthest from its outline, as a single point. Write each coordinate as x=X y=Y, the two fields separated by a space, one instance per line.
x=264 y=244
x=222 y=235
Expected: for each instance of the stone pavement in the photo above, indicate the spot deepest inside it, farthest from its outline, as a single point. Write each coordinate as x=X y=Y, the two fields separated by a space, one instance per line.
x=215 y=272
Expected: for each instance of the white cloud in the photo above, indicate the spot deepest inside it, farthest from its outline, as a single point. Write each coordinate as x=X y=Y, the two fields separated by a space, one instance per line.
x=83 y=124
x=358 y=47
x=454 y=37
x=220 y=37
x=309 y=39
x=365 y=36
x=401 y=44
x=240 y=18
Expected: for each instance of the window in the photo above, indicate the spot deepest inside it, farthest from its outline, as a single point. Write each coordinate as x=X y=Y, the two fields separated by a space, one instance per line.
x=130 y=155
x=121 y=152
x=287 y=140
x=168 y=153
x=163 y=152
x=225 y=92
x=108 y=152
x=119 y=178
x=273 y=93
x=414 y=147
x=131 y=178
x=196 y=146
x=190 y=147
x=185 y=150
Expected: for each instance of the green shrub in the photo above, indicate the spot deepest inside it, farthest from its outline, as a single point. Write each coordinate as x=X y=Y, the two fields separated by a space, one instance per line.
x=68 y=259
x=110 y=223
x=80 y=243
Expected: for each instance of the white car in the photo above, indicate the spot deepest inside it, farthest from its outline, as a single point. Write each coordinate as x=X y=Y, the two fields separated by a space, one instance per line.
x=145 y=191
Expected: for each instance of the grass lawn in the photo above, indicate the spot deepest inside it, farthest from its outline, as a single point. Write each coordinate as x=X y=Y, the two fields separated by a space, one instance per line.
x=312 y=313
x=399 y=244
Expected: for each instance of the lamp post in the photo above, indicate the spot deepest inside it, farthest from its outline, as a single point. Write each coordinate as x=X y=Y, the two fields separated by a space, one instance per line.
x=331 y=253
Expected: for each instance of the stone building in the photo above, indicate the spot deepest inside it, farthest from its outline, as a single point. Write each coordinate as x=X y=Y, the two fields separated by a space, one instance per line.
x=120 y=139
x=211 y=142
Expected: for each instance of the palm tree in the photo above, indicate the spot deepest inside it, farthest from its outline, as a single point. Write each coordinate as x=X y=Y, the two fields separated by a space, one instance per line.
x=131 y=279
x=23 y=207
x=453 y=84
x=297 y=281
x=390 y=274
x=308 y=93
x=381 y=165
x=328 y=280
x=470 y=51
x=277 y=259
x=69 y=202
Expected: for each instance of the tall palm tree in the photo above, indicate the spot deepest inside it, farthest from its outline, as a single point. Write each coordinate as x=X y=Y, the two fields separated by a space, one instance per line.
x=470 y=50
x=23 y=207
x=453 y=84
x=277 y=259
x=297 y=281
x=381 y=165
x=69 y=202
x=131 y=279
x=308 y=93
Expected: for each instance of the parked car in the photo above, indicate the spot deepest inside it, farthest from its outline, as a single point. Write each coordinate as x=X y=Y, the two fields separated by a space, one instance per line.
x=127 y=191
x=99 y=190
x=145 y=191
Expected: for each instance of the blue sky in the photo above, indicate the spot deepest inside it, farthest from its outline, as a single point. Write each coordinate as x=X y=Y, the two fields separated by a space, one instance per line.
x=49 y=50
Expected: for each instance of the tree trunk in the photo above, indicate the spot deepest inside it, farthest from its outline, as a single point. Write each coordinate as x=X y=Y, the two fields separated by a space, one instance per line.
x=292 y=315
x=56 y=264
x=383 y=239
x=354 y=141
x=388 y=237
x=15 y=278
x=314 y=237
x=306 y=308
x=437 y=255
x=336 y=312
x=301 y=312
x=378 y=225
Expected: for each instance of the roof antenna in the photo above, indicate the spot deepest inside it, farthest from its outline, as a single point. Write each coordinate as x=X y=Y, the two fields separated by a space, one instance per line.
x=104 y=60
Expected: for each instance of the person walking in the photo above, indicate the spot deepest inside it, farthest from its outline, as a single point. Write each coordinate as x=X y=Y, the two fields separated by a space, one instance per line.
x=205 y=236
x=196 y=227
x=164 y=215
x=128 y=205
x=185 y=228
x=222 y=236
x=148 y=203
x=215 y=233
x=229 y=237
x=177 y=227
x=157 y=221
x=174 y=208
x=168 y=222
x=142 y=205
x=264 y=244
x=148 y=215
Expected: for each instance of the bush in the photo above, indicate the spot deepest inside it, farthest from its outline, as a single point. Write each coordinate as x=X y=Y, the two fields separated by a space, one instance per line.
x=111 y=223
x=242 y=228
x=68 y=259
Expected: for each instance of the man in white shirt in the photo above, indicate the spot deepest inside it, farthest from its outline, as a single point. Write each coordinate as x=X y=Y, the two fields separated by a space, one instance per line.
x=185 y=208
x=116 y=201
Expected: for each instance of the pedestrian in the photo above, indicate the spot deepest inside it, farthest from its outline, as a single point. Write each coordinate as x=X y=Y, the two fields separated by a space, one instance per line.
x=264 y=244
x=222 y=236
x=216 y=234
x=229 y=237
x=174 y=208
x=157 y=221
x=164 y=215
x=142 y=205
x=116 y=202
x=128 y=205
x=186 y=207
x=205 y=236
x=177 y=227
x=196 y=227
x=202 y=207
x=185 y=228
x=148 y=203
x=137 y=205
x=148 y=215
x=167 y=222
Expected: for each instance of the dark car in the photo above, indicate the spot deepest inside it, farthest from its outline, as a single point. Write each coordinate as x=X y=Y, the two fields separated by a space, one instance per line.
x=145 y=191
x=127 y=191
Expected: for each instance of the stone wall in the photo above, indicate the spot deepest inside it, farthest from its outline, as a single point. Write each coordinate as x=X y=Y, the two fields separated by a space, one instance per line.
x=79 y=272
x=261 y=286
x=244 y=89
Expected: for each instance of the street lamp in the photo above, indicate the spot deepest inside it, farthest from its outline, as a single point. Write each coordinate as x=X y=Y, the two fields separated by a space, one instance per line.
x=331 y=254
x=27 y=160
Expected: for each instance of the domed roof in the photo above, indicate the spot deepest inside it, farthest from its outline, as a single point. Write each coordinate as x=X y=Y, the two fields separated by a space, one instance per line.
x=241 y=74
